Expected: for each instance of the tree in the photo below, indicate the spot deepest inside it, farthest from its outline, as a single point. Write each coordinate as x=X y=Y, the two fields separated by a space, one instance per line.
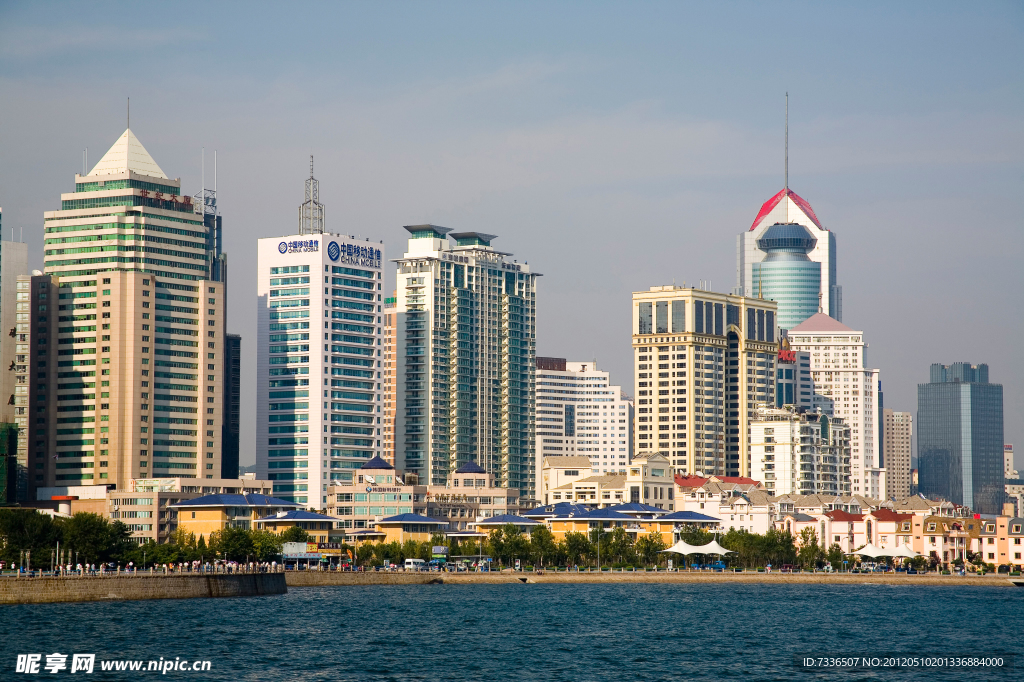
x=577 y=547
x=620 y=544
x=233 y=544
x=648 y=547
x=835 y=556
x=809 y=551
x=266 y=546
x=542 y=545
x=27 y=530
x=294 y=534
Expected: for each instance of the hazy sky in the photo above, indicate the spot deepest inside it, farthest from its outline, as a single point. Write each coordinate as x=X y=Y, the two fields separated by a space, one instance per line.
x=614 y=146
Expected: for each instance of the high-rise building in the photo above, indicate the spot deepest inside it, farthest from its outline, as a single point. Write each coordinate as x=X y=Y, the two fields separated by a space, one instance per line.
x=232 y=406
x=13 y=264
x=465 y=349
x=703 y=363
x=580 y=412
x=897 y=439
x=390 y=380
x=786 y=275
x=1009 y=471
x=798 y=452
x=845 y=387
x=793 y=384
x=786 y=272
x=960 y=437
x=305 y=441
x=127 y=330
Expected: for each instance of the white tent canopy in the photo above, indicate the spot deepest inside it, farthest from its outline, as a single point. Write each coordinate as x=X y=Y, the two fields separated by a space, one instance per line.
x=714 y=548
x=904 y=551
x=683 y=548
x=870 y=550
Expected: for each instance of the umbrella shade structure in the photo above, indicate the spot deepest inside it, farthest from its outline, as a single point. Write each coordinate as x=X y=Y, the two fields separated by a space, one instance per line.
x=714 y=548
x=870 y=550
x=684 y=549
x=904 y=551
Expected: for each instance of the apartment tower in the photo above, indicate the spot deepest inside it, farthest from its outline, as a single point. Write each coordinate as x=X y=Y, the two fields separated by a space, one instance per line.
x=897 y=435
x=704 y=362
x=465 y=353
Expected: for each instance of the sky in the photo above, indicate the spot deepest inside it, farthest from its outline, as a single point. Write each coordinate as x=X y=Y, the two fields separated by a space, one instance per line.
x=613 y=146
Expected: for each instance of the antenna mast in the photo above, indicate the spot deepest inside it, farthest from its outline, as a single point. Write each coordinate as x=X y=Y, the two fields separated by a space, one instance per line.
x=311 y=212
x=787 y=140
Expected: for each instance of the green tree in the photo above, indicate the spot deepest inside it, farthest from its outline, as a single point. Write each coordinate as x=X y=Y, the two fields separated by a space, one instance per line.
x=88 y=535
x=809 y=552
x=364 y=554
x=517 y=546
x=620 y=545
x=543 y=548
x=233 y=544
x=835 y=556
x=577 y=547
x=266 y=546
x=294 y=534
x=27 y=530
x=649 y=546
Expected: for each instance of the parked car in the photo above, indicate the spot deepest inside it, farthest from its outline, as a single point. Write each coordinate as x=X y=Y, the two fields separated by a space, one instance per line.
x=717 y=566
x=786 y=568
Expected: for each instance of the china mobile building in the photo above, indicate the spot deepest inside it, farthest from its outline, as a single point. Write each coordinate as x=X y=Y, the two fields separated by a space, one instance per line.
x=960 y=437
x=319 y=387
x=704 y=363
x=465 y=349
x=845 y=387
x=580 y=413
x=126 y=330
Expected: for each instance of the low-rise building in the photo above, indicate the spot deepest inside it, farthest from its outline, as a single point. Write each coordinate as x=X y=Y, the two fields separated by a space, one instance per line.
x=796 y=451
x=213 y=513
x=319 y=527
x=648 y=480
x=559 y=471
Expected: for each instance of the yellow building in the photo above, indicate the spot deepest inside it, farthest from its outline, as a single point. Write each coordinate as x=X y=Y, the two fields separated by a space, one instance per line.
x=320 y=527
x=212 y=513
x=409 y=527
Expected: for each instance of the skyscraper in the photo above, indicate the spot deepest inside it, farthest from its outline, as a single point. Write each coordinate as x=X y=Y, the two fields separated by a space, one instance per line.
x=232 y=406
x=127 y=329
x=777 y=215
x=465 y=348
x=960 y=437
x=845 y=387
x=898 y=431
x=786 y=275
x=703 y=363
x=390 y=381
x=580 y=412
x=305 y=440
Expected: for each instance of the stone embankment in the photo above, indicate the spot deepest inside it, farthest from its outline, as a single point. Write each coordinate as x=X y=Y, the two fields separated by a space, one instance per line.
x=127 y=587
x=326 y=578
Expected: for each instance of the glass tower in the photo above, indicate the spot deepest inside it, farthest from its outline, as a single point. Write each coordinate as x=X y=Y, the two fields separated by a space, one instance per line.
x=786 y=275
x=960 y=437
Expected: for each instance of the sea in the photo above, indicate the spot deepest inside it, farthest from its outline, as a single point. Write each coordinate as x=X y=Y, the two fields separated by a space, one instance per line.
x=525 y=632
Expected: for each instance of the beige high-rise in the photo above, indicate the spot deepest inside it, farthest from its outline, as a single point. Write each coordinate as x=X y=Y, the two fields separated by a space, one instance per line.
x=127 y=330
x=704 y=363
x=897 y=432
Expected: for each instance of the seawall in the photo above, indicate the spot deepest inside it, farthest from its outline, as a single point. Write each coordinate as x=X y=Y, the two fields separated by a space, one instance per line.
x=318 y=579
x=128 y=587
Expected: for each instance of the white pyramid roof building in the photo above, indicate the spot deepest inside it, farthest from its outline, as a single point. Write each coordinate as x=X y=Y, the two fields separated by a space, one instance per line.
x=127 y=154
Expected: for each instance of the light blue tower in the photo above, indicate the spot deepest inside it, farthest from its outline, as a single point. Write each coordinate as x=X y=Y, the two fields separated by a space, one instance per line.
x=786 y=275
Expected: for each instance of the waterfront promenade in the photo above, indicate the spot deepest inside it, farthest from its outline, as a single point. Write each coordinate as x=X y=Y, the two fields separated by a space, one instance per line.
x=135 y=586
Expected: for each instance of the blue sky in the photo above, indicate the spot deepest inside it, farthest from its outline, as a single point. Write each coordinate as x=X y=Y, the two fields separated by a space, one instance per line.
x=613 y=146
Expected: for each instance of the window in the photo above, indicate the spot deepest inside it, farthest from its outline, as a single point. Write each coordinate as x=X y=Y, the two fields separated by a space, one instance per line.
x=645 y=318
x=661 y=326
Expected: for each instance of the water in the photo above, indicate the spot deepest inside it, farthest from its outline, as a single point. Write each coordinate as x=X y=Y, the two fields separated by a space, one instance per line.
x=532 y=632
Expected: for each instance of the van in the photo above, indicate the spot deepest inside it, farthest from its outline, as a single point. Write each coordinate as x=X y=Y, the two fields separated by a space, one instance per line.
x=414 y=564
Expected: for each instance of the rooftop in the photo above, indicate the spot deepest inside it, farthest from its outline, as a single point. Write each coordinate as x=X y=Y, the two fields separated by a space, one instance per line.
x=470 y=467
x=411 y=518
x=376 y=463
x=299 y=515
x=227 y=500
x=801 y=204
x=127 y=154
x=820 y=322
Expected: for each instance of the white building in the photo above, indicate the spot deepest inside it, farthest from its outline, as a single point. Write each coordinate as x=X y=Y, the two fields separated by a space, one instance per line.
x=798 y=452
x=465 y=343
x=318 y=409
x=579 y=412
x=788 y=207
x=1008 y=470
x=845 y=387
x=897 y=437
x=793 y=384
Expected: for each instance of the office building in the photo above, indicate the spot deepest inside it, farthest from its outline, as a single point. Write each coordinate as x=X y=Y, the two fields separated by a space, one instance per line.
x=305 y=440
x=232 y=406
x=465 y=349
x=1008 y=466
x=580 y=412
x=897 y=445
x=787 y=273
x=13 y=264
x=703 y=363
x=797 y=452
x=127 y=330
x=793 y=384
x=845 y=387
x=390 y=381
x=960 y=437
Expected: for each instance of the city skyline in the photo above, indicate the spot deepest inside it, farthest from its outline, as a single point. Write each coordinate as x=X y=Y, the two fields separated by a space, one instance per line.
x=853 y=156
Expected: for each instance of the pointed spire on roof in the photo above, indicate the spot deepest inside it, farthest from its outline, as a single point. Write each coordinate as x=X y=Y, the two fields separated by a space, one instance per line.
x=127 y=154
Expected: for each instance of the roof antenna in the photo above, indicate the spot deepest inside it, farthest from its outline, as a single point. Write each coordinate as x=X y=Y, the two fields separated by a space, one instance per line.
x=819 y=301
x=787 y=142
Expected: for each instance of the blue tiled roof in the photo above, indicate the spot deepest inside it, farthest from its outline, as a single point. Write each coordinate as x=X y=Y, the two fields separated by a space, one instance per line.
x=688 y=516
x=226 y=500
x=502 y=519
x=597 y=515
x=627 y=507
x=470 y=467
x=411 y=518
x=299 y=515
x=558 y=509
